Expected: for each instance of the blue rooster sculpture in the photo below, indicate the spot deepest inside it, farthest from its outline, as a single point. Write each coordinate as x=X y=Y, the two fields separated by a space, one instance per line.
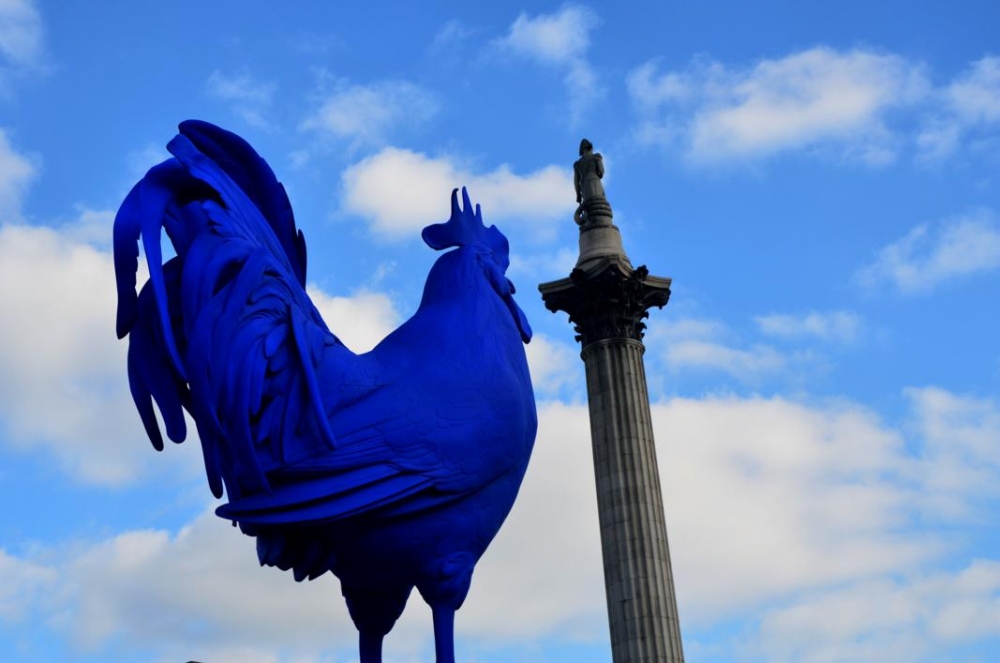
x=392 y=469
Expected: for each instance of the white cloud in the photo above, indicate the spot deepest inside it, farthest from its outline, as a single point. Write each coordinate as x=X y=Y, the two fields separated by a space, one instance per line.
x=885 y=619
x=814 y=99
x=59 y=354
x=745 y=364
x=16 y=172
x=366 y=114
x=361 y=321
x=707 y=345
x=767 y=501
x=147 y=586
x=559 y=40
x=838 y=326
x=931 y=254
x=554 y=366
x=913 y=614
x=90 y=226
x=543 y=266
x=22 y=583
x=938 y=139
x=242 y=87
x=450 y=35
x=975 y=95
x=21 y=38
x=399 y=192
x=765 y=497
x=248 y=97
x=961 y=451
x=968 y=104
x=844 y=103
x=544 y=571
x=203 y=582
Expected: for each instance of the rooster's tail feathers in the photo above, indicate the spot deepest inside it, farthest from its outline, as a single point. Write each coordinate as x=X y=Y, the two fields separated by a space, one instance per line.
x=224 y=329
x=254 y=177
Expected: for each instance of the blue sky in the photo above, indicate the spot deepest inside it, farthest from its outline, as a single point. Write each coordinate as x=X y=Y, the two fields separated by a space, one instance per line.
x=819 y=179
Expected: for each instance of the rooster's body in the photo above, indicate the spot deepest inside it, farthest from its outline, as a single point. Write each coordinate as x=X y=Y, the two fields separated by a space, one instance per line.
x=393 y=469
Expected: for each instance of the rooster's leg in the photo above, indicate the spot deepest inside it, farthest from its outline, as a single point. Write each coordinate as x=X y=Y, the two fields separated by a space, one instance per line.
x=444 y=634
x=370 y=647
x=445 y=594
x=374 y=612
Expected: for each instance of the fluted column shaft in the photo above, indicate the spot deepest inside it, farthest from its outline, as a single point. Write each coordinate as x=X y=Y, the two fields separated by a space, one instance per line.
x=642 y=609
x=607 y=301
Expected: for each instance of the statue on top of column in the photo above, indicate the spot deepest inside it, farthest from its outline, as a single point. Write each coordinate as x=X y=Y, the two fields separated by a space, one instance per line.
x=594 y=208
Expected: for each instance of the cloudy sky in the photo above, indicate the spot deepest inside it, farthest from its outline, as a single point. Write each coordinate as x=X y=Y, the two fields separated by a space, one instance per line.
x=821 y=182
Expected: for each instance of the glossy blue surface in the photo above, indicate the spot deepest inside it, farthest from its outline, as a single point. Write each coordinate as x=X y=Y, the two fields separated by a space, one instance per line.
x=393 y=469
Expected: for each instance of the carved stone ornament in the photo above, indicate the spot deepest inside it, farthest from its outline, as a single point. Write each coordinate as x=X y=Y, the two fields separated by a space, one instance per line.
x=607 y=303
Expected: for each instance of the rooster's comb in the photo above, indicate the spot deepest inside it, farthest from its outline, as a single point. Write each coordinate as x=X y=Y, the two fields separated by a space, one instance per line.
x=464 y=228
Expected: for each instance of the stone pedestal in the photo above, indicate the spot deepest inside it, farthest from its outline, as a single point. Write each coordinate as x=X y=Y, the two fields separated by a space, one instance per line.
x=607 y=301
x=599 y=237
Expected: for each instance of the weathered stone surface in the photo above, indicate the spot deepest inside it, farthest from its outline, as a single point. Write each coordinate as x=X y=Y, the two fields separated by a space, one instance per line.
x=608 y=299
x=607 y=302
x=642 y=607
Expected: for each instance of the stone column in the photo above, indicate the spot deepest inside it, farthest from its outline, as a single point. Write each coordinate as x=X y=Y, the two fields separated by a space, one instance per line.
x=607 y=301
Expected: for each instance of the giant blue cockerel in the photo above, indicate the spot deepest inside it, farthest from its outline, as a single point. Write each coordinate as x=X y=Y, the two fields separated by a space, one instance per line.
x=392 y=469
